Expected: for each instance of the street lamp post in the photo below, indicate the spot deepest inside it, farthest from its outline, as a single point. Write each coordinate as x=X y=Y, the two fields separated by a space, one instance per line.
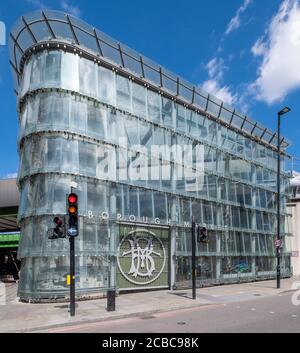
x=278 y=243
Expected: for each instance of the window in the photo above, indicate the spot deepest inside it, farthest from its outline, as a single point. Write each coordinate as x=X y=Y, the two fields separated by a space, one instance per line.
x=78 y=116
x=160 y=205
x=70 y=157
x=123 y=93
x=87 y=158
x=138 y=100
x=93 y=120
x=52 y=68
x=153 y=106
x=180 y=117
x=145 y=198
x=70 y=71
x=207 y=212
x=54 y=154
x=167 y=111
x=212 y=186
x=96 y=198
x=106 y=85
x=37 y=72
x=87 y=77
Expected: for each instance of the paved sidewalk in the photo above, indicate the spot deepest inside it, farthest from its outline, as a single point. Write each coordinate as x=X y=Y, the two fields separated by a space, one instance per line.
x=22 y=317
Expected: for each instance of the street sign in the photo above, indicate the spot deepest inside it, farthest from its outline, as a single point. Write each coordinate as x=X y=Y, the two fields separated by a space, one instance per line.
x=73 y=232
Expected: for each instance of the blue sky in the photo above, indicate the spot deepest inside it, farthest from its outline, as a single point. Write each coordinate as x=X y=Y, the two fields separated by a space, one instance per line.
x=246 y=52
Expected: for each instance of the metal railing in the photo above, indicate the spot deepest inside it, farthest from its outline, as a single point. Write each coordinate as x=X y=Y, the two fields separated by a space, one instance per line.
x=41 y=26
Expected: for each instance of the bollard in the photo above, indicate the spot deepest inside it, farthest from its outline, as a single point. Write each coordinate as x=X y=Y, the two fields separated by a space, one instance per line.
x=111 y=300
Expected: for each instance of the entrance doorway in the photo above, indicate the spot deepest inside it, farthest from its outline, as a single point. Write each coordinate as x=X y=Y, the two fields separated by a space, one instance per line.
x=9 y=265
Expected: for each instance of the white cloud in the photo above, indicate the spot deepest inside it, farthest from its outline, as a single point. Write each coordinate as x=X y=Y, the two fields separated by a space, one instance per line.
x=222 y=92
x=235 y=22
x=10 y=176
x=278 y=73
x=215 y=69
x=69 y=8
x=259 y=48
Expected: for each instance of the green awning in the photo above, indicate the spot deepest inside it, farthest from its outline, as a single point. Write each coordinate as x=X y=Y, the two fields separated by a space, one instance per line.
x=9 y=240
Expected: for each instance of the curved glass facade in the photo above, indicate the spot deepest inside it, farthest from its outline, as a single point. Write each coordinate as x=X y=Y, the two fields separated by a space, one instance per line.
x=73 y=113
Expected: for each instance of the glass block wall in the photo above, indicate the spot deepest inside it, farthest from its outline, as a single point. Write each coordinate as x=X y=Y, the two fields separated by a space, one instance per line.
x=73 y=111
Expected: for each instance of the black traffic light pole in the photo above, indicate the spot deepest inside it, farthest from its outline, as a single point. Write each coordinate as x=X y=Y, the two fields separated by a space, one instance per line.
x=194 y=258
x=72 y=257
x=72 y=276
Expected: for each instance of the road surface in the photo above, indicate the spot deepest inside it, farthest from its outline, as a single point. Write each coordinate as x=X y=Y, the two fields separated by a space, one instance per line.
x=262 y=314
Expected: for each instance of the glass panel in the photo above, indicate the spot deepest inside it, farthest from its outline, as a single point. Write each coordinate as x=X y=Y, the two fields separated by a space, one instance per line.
x=62 y=30
x=153 y=100
x=26 y=77
x=200 y=101
x=186 y=93
x=132 y=64
x=37 y=72
x=138 y=100
x=213 y=108
x=86 y=40
x=226 y=115
x=167 y=112
x=207 y=213
x=94 y=121
x=145 y=198
x=78 y=116
x=24 y=39
x=70 y=156
x=123 y=93
x=111 y=53
x=40 y=31
x=180 y=118
x=87 y=159
x=152 y=74
x=70 y=71
x=170 y=84
x=160 y=206
x=54 y=154
x=87 y=77
x=52 y=68
x=57 y=108
x=106 y=85
x=146 y=134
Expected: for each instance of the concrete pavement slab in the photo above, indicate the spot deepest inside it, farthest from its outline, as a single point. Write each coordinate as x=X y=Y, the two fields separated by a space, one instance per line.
x=24 y=317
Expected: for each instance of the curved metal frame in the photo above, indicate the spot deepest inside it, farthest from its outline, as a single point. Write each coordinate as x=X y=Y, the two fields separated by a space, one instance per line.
x=24 y=33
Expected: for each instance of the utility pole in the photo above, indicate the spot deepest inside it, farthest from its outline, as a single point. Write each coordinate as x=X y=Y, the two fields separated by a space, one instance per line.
x=278 y=238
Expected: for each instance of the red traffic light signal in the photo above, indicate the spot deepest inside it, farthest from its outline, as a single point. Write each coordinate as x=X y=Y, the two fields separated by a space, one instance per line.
x=72 y=210
x=72 y=198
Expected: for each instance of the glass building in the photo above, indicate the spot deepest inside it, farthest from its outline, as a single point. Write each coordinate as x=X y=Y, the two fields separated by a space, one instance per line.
x=82 y=96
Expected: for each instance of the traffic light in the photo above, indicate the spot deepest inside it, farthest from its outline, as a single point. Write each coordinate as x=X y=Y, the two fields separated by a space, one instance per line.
x=202 y=235
x=72 y=204
x=58 y=230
